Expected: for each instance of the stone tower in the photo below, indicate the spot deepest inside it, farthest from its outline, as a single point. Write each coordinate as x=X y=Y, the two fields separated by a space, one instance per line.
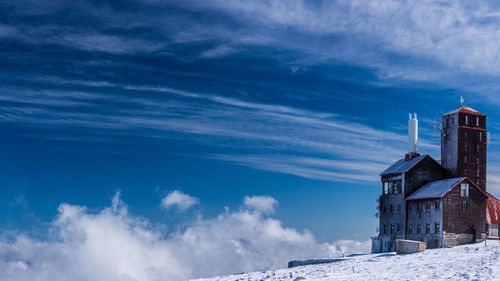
x=464 y=141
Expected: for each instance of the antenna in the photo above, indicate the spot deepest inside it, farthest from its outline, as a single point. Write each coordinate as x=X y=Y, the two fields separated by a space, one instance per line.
x=412 y=134
x=436 y=131
x=462 y=100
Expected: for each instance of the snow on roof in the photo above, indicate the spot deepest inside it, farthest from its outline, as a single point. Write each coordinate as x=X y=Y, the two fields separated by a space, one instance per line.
x=465 y=109
x=435 y=189
x=492 y=210
x=402 y=166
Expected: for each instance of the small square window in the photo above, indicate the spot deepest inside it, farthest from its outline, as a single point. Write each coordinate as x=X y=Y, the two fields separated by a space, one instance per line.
x=465 y=206
x=477 y=121
x=465 y=147
x=465 y=159
x=436 y=227
x=392 y=228
x=466 y=172
x=410 y=229
x=466 y=119
x=427 y=228
x=437 y=205
x=419 y=228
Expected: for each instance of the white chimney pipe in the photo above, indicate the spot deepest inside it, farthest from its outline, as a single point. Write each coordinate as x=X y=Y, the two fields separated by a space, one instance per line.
x=413 y=134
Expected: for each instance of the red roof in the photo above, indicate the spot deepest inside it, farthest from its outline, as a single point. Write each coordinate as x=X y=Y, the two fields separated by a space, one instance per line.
x=466 y=109
x=492 y=210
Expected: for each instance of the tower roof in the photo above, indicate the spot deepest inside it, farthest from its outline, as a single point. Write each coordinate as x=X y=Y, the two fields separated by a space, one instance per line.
x=465 y=109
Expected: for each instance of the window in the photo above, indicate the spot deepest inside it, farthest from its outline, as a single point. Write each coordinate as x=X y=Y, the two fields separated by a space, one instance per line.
x=477 y=160
x=466 y=172
x=390 y=208
x=465 y=147
x=385 y=228
x=399 y=208
x=477 y=148
x=428 y=205
x=398 y=228
x=477 y=173
x=383 y=209
x=410 y=229
x=480 y=136
x=477 y=121
x=436 y=227
x=465 y=206
x=392 y=228
x=391 y=187
x=465 y=159
x=464 y=190
x=437 y=205
x=427 y=228
x=419 y=228
x=452 y=121
x=466 y=120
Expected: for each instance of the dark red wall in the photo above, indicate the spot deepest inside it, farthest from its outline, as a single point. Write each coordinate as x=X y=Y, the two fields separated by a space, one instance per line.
x=455 y=220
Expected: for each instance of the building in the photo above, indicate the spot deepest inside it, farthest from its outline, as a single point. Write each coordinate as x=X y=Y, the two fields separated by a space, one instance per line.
x=464 y=143
x=442 y=204
x=492 y=216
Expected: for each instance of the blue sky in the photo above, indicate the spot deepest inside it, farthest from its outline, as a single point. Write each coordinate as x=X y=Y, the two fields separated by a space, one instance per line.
x=304 y=102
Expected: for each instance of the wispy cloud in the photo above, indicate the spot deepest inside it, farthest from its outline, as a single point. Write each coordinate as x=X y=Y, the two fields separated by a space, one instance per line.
x=357 y=151
x=217 y=52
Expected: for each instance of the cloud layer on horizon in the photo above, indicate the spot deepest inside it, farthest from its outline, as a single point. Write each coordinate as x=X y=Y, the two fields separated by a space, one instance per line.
x=113 y=245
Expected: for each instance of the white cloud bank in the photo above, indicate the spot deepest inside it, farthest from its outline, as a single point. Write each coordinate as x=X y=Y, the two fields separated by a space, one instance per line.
x=179 y=199
x=114 y=245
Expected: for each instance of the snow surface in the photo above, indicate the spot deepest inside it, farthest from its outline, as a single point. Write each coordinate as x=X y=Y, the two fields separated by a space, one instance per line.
x=468 y=262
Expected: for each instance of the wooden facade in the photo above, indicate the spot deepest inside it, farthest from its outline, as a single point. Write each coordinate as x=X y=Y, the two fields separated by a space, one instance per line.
x=426 y=171
x=471 y=219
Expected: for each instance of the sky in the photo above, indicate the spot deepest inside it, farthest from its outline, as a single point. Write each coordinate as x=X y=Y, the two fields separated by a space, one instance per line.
x=201 y=130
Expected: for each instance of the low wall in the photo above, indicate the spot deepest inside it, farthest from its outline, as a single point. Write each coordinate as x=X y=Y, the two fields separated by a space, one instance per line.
x=452 y=239
x=409 y=246
x=313 y=261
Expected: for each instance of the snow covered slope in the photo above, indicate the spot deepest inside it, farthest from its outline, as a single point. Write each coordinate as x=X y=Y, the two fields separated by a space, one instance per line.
x=468 y=262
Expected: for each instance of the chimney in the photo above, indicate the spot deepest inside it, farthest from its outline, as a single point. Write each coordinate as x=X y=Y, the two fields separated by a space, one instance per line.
x=412 y=138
